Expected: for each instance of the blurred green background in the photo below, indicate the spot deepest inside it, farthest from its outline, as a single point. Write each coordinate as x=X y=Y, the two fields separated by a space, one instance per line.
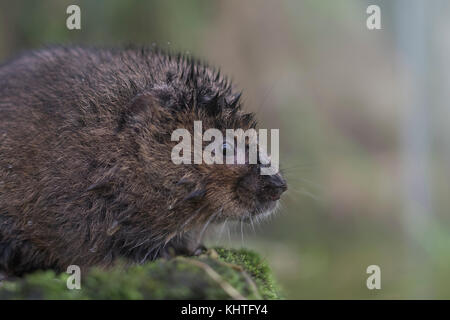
x=363 y=118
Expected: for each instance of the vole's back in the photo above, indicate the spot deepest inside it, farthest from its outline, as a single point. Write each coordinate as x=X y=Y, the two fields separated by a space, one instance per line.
x=75 y=80
x=85 y=158
x=59 y=110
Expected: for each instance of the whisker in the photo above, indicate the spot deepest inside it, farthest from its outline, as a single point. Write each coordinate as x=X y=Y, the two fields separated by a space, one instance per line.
x=210 y=219
x=265 y=98
x=307 y=193
x=251 y=223
x=222 y=229
x=188 y=220
x=300 y=166
x=242 y=232
x=298 y=179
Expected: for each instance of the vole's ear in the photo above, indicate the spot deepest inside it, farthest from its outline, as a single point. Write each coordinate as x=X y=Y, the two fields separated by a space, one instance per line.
x=143 y=110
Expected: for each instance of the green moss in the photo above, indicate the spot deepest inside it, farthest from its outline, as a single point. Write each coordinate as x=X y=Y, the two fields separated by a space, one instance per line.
x=257 y=268
x=218 y=274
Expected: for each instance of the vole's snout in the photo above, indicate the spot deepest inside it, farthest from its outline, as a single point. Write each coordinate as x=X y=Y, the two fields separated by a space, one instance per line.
x=274 y=186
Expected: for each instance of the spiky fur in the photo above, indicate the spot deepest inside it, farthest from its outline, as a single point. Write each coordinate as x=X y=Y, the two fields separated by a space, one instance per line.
x=85 y=170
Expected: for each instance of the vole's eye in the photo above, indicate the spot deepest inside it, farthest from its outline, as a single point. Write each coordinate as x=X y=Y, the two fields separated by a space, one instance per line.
x=227 y=149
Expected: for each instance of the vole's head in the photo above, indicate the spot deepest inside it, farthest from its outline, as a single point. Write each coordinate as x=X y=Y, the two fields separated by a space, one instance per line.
x=188 y=92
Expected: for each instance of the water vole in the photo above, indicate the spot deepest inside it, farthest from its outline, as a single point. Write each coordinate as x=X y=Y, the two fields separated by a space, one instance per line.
x=85 y=169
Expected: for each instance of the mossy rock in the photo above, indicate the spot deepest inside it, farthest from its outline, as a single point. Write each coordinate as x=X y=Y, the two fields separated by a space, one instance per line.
x=217 y=274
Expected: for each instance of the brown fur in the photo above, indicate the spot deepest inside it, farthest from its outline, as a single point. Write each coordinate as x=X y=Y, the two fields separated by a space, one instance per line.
x=85 y=168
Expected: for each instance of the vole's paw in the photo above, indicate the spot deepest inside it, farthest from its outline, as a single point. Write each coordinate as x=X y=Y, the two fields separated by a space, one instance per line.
x=4 y=277
x=201 y=249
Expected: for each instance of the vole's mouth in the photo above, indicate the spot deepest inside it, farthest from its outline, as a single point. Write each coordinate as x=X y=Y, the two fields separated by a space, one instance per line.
x=262 y=210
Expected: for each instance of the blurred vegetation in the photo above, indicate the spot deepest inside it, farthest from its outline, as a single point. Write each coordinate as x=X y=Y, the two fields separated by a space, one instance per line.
x=218 y=274
x=336 y=91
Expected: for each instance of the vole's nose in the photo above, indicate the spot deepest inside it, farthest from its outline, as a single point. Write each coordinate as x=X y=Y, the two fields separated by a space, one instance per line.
x=275 y=186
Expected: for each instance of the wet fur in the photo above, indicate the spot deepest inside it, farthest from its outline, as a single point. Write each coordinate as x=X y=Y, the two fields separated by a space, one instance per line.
x=85 y=170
